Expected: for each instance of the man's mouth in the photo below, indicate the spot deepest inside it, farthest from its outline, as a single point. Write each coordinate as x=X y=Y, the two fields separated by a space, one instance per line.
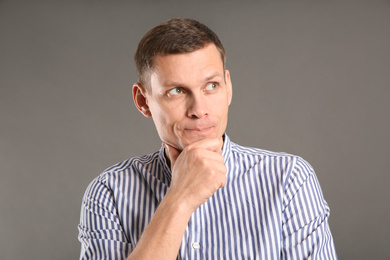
x=199 y=130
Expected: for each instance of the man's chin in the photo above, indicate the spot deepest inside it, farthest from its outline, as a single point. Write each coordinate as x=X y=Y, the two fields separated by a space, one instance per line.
x=187 y=140
x=184 y=140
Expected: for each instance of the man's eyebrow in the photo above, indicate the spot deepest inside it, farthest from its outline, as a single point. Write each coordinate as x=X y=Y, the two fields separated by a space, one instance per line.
x=216 y=75
x=170 y=84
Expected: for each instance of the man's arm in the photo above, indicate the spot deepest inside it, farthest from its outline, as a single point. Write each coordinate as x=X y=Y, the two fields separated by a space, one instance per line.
x=197 y=173
x=306 y=232
x=100 y=231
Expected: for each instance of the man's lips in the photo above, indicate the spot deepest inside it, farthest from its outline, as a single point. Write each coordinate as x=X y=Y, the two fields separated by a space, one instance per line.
x=199 y=129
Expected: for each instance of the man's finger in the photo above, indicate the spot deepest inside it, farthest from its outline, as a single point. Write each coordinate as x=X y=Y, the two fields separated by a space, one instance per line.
x=212 y=144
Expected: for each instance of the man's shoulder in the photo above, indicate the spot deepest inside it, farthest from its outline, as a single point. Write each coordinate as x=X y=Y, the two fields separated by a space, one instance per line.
x=258 y=152
x=293 y=168
x=247 y=153
x=125 y=174
x=134 y=164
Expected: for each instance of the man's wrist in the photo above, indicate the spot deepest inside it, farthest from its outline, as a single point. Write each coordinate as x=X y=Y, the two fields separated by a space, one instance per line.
x=177 y=203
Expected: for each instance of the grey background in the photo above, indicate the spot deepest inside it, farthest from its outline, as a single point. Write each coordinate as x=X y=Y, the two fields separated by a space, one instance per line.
x=309 y=77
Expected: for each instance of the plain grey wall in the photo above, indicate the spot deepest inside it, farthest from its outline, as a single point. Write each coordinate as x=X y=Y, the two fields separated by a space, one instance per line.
x=310 y=78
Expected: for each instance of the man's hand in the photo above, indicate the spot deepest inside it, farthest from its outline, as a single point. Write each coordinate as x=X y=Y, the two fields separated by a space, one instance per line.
x=197 y=172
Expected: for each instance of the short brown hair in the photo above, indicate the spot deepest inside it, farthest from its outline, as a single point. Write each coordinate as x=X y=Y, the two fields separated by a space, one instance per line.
x=175 y=36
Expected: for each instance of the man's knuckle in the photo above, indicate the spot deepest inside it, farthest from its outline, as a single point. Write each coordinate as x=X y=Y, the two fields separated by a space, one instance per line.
x=204 y=162
x=187 y=149
x=197 y=153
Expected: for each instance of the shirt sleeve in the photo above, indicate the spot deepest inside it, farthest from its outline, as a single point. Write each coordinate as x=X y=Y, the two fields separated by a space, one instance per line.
x=100 y=230
x=305 y=232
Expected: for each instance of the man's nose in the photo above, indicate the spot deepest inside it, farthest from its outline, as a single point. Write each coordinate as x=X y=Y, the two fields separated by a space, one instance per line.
x=197 y=107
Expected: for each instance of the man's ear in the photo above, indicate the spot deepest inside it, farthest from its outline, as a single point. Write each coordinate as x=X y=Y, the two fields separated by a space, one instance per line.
x=229 y=86
x=140 y=101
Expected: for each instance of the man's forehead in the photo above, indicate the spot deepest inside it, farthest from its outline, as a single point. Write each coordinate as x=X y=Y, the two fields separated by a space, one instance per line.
x=210 y=48
x=205 y=63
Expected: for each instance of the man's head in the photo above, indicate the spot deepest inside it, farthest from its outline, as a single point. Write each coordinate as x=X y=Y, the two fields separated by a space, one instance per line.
x=175 y=36
x=188 y=92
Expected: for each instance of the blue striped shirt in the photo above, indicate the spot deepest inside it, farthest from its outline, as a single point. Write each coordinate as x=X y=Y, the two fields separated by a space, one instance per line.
x=272 y=207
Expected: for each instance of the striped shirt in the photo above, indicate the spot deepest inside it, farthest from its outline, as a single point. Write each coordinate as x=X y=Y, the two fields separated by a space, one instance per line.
x=272 y=207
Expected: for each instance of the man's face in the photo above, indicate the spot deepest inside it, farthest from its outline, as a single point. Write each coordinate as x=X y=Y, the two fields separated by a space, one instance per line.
x=189 y=96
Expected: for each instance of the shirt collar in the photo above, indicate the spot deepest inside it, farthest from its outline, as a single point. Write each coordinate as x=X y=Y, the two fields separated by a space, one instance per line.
x=227 y=147
x=164 y=163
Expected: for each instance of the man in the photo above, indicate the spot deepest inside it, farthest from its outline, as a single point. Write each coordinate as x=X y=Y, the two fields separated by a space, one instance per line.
x=201 y=196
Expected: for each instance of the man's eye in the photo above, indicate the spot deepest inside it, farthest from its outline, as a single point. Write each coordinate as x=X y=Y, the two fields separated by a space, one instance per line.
x=175 y=91
x=211 y=86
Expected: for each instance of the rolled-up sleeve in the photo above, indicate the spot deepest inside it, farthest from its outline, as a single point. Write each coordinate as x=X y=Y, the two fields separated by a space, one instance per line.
x=100 y=230
x=306 y=233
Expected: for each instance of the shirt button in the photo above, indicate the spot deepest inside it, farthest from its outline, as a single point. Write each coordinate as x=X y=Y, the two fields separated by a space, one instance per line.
x=196 y=246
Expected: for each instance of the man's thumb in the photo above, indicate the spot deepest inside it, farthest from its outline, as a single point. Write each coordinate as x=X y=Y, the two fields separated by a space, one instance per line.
x=172 y=153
